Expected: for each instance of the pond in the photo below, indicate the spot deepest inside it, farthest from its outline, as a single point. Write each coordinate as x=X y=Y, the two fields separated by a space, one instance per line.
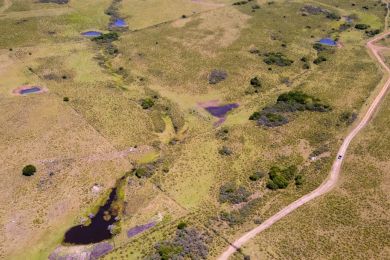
x=99 y=228
x=29 y=90
x=221 y=111
x=91 y=34
x=328 y=41
x=119 y=23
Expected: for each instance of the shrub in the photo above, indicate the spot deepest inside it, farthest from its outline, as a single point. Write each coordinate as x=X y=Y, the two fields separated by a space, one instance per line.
x=255 y=116
x=272 y=119
x=256 y=176
x=280 y=177
x=29 y=170
x=371 y=33
x=319 y=47
x=144 y=171
x=232 y=194
x=217 y=76
x=280 y=181
x=106 y=37
x=271 y=185
x=223 y=134
x=362 y=26
x=333 y=16
x=226 y=151
x=288 y=102
x=297 y=100
x=277 y=58
x=187 y=244
x=66 y=99
x=319 y=59
x=348 y=117
x=255 y=82
x=298 y=180
x=182 y=225
x=168 y=251
x=147 y=103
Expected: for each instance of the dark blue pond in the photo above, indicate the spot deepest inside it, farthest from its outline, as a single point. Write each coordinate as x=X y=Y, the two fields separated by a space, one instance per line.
x=119 y=23
x=91 y=34
x=98 y=230
x=30 y=90
x=221 y=111
x=328 y=41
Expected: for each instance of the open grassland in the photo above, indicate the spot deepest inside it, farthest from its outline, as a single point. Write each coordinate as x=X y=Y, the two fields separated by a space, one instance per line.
x=105 y=86
x=183 y=71
x=352 y=220
x=141 y=14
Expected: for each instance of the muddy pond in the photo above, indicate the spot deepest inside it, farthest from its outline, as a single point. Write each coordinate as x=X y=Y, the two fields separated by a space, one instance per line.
x=99 y=228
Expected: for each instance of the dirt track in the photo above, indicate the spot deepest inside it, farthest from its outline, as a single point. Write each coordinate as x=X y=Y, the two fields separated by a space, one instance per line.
x=334 y=174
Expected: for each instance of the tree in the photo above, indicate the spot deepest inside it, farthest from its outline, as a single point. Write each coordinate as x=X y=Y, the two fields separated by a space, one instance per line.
x=29 y=170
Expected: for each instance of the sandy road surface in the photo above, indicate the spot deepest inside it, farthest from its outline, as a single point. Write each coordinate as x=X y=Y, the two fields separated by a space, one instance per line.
x=335 y=171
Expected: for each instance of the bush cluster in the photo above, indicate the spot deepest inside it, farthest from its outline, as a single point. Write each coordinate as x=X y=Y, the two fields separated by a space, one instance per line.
x=106 y=37
x=239 y=216
x=232 y=194
x=362 y=26
x=292 y=101
x=279 y=178
x=189 y=243
x=277 y=58
x=297 y=100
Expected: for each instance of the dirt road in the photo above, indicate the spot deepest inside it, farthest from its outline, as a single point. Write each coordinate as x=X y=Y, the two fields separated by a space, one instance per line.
x=335 y=171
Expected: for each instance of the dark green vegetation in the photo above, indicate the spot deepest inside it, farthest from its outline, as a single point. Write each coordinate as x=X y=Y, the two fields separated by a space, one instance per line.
x=256 y=176
x=272 y=116
x=297 y=100
x=29 y=170
x=144 y=171
x=106 y=37
x=279 y=178
x=277 y=58
x=147 y=103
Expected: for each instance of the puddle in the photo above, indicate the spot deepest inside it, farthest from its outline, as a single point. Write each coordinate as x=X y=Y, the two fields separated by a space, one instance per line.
x=328 y=41
x=221 y=111
x=91 y=34
x=121 y=23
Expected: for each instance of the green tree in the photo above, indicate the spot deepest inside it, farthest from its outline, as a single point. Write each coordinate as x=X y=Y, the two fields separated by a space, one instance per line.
x=29 y=170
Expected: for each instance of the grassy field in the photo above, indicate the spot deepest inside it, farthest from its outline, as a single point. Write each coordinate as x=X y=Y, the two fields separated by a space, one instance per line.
x=352 y=220
x=106 y=85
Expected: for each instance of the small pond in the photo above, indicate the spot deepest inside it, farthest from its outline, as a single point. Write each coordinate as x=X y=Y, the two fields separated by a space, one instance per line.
x=91 y=34
x=30 y=90
x=221 y=111
x=119 y=23
x=328 y=41
x=98 y=229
